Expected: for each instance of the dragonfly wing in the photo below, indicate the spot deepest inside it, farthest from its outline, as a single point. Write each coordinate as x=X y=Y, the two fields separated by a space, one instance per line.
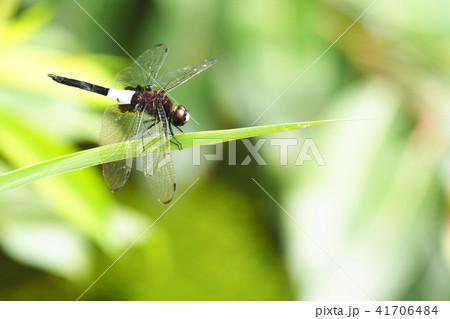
x=144 y=69
x=120 y=124
x=156 y=160
x=171 y=80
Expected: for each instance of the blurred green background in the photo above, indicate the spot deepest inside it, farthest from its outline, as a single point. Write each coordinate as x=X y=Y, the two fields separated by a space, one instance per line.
x=374 y=220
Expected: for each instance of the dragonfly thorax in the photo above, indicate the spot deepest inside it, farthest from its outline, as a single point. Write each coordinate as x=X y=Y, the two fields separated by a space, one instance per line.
x=147 y=100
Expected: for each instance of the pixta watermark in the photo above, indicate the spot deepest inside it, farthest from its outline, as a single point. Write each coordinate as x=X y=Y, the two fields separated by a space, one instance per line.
x=287 y=148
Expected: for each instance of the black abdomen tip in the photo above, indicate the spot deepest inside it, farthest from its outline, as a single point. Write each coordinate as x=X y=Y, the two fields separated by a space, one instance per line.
x=55 y=77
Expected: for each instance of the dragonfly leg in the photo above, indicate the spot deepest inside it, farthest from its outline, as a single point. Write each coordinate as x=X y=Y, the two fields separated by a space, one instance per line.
x=178 y=143
x=179 y=129
x=148 y=121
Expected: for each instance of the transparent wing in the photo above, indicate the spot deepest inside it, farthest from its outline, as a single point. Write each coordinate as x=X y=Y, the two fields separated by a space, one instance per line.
x=171 y=80
x=143 y=71
x=120 y=124
x=156 y=161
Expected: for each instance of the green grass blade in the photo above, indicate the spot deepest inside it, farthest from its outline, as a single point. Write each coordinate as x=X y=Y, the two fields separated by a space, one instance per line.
x=109 y=153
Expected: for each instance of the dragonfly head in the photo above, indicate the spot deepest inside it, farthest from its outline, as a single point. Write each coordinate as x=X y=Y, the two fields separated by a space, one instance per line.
x=179 y=116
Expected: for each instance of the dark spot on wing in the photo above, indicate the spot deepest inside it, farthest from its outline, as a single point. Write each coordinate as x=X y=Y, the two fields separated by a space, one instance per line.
x=116 y=189
x=125 y=108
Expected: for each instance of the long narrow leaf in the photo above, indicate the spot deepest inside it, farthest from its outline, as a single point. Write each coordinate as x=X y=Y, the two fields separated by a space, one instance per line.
x=109 y=153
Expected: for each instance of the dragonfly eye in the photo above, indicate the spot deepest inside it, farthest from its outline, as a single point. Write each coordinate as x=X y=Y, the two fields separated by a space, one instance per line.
x=180 y=116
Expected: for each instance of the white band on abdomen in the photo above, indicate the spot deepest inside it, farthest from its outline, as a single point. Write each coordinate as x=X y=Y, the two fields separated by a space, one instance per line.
x=123 y=96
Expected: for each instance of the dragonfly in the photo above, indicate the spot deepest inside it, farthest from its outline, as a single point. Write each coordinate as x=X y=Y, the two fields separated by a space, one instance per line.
x=145 y=111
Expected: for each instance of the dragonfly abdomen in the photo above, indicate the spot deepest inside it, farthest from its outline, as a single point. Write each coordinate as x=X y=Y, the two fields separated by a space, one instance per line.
x=123 y=96
x=80 y=84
